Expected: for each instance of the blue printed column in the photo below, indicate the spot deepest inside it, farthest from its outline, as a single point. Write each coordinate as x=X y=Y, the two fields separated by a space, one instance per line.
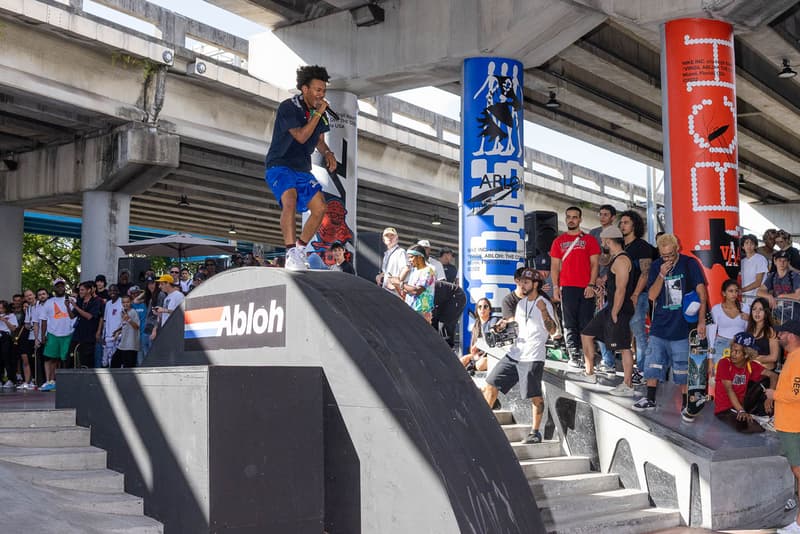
x=492 y=213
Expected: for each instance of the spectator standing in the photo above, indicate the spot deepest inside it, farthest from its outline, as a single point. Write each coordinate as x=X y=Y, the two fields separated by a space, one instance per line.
x=153 y=298
x=56 y=332
x=574 y=268
x=340 y=263
x=768 y=248
x=641 y=253
x=421 y=283
x=783 y=240
x=782 y=282
x=41 y=297
x=8 y=325
x=754 y=268
x=110 y=323
x=394 y=262
x=198 y=279
x=760 y=327
x=730 y=317
x=449 y=301
x=88 y=331
x=483 y=323
x=100 y=289
x=172 y=300
x=27 y=342
x=138 y=305
x=672 y=276
x=433 y=262
x=128 y=334
x=124 y=282
x=607 y=215
x=450 y=270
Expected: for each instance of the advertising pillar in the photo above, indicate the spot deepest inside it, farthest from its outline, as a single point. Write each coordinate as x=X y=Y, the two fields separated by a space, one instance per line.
x=339 y=186
x=492 y=214
x=701 y=145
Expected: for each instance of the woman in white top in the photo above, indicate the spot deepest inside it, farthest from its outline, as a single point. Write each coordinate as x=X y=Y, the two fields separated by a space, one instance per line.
x=8 y=324
x=729 y=316
x=754 y=268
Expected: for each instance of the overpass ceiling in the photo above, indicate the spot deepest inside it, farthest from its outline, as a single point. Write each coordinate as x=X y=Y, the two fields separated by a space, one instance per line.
x=276 y=13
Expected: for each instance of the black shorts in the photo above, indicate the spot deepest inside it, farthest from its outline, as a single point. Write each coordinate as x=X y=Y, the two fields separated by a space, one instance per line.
x=616 y=336
x=508 y=372
x=26 y=346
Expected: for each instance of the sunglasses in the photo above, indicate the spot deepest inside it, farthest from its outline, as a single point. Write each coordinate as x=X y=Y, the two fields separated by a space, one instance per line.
x=481 y=306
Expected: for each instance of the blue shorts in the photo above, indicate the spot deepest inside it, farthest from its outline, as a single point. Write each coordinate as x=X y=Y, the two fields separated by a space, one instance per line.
x=281 y=179
x=663 y=354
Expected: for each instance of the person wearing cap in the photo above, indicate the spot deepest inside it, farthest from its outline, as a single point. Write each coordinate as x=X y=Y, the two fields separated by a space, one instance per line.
x=524 y=362
x=672 y=277
x=786 y=397
x=172 y=300
x=740 y=385
x=340 y=263
x=394 y=262
x=433 y=262
x=56 y=332
x=574 y=264
x=421 y=282
x=612 y=325
x=450 y=270
x=783 y=282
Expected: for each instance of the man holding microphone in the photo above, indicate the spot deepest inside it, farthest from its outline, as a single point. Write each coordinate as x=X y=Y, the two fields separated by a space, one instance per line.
x=300 y=125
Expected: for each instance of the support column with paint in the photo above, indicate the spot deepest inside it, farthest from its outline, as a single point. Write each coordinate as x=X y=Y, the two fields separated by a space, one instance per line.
x=491 y=237
x=341 y=186
x=106 y=217
x=12 y=220
x=700 y=144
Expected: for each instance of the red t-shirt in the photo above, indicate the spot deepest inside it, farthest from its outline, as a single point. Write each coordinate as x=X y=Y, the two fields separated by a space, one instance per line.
x=576 y=270
x=739 y=379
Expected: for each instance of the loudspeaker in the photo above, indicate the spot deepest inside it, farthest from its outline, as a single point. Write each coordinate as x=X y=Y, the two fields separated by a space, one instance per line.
x=369 y=255
x=541 y=228
x=136 y=266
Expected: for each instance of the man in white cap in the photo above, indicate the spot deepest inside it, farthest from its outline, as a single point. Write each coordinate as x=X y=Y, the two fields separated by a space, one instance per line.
x=433 y=262
x=394 y=262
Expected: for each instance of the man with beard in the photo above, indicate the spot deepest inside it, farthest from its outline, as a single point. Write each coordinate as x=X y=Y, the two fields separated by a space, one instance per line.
x=56 y=328
x=395 y=262
x=574 y=266
x=89 y=311
x=111 y=321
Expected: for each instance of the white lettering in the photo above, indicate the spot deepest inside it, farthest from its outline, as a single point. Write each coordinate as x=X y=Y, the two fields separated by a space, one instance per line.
x=253 y=321
x=276 y=317
x=240 y=325
x=260 y=321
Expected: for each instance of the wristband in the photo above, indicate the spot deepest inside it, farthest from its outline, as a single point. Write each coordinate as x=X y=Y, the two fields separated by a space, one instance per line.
x=328 y=152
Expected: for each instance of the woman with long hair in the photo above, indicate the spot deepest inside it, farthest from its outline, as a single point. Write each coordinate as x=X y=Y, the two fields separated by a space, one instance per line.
x=729 y=316
x=483 y=323
x=761 y=328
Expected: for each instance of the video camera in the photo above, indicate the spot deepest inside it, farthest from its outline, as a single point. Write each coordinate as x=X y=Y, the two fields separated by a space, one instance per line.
x=507 y=336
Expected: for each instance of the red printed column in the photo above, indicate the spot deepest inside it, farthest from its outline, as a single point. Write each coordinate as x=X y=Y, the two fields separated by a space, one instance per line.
x=700 y=144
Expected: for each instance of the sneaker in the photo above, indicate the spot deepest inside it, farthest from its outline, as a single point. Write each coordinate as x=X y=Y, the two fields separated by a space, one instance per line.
x=295 y=260
x=576 y=362
x=19 y=378
x=584 y=377
x=686 y=416
x=606 y=369
x=9 y=385
x=23 y=386
x=766 y=422
x=48 y=386
x=644 y=404
x=32 y=386
x=636 y=378
x=791 y=528
x=534 y=437
x=622 y=390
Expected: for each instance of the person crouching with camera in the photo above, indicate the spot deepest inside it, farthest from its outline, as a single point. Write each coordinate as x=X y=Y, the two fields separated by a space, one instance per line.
x=524 y=362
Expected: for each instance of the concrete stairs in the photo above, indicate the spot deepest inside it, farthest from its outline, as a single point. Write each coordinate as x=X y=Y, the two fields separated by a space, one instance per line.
x=49 y=471
x=573 y=499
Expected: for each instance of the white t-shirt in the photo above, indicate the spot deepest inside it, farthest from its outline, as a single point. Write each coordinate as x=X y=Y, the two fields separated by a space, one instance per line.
x=533 y=335
x=394 y=261
x=171 y=302
x=36 y=319
x=438 y=267
x=11 y=318
x=112 y=317
x=129 y=337
x=59 y=323
x=750 y=268
x=727 y=327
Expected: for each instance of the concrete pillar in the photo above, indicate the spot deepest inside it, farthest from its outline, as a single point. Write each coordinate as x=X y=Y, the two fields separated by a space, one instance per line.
x=11 y=221
x=700 y=144
x=106 y=217
x=492 y=216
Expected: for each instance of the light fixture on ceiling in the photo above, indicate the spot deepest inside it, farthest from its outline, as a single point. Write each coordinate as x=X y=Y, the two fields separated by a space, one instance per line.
x=183 y=202
x=552 y=103
x=436 y=221
x=232 y=230
x=367 y=15
x=787 y=71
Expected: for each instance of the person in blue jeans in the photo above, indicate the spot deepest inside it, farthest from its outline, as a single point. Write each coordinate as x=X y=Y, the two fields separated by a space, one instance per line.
x=671 y=277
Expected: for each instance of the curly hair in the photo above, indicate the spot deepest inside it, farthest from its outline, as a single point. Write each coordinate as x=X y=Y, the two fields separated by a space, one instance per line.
x=636 y=219
x=307 y=73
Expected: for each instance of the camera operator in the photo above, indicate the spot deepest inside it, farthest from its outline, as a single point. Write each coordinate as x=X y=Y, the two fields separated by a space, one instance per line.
x=524 y=362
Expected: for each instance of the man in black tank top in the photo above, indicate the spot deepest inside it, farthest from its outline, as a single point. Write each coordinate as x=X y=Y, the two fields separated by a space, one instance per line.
x=612 y=324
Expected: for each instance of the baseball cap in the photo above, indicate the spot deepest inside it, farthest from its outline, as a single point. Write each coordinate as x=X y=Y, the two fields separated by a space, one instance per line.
x=336 y=244
x=611 y=232
x=530 y=274
x=390 y=230
x=424 y=243
x=780 y=254
x=745 y=339
x=59 y=280
x=691 y=306
x=150 y=279
x=793 y=327
x=134 y=289
x=166 y=278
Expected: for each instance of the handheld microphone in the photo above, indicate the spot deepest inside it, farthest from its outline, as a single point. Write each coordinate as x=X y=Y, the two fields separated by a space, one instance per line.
x=333 y=114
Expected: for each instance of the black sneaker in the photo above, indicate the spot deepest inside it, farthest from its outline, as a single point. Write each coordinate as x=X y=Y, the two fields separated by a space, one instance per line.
x=636 y=378
x=576 y=362
x=533 y=437
x=686 y=416
x=644 y=404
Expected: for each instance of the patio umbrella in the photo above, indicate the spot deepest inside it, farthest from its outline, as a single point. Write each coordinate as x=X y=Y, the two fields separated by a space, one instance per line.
x=177 y=246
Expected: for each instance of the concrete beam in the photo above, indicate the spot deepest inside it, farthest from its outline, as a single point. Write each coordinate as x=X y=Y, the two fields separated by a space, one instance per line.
x=131 y=159
x=388 y=57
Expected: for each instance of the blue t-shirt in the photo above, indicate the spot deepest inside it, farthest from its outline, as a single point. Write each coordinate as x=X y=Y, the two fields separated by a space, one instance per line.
x=668 y=321
x=284 y=151
x=141 y=310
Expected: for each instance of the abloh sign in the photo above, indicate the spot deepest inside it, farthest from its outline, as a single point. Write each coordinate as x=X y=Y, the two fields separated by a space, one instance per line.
x=238 y=320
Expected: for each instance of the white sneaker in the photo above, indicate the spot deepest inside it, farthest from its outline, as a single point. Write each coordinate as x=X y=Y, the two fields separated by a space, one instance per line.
x=791 y=528
x=622 y=390
x=605 y=369
x=584 y=377
x=9 y=385
x=295 y=260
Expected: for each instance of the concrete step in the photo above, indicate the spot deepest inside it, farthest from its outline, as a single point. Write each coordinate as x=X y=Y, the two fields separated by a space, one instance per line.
x=61 y=458
x=89 y=480
x=122 y=524
x=545 y=449
x=592 y=505
x=37 y=418
x=635 y=522
x=50 y=436
x=516 y=432
x=101 y=503
x=552 y=487
x=554 y=466
x=504 y=417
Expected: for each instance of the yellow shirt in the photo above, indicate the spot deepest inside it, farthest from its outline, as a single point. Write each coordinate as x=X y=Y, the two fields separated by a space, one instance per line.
x=787 y=395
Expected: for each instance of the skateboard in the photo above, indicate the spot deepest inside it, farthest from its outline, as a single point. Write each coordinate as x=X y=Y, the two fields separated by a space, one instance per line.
x=697 y=383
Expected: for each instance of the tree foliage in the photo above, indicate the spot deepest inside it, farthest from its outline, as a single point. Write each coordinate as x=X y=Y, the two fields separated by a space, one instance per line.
x=45 y=258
